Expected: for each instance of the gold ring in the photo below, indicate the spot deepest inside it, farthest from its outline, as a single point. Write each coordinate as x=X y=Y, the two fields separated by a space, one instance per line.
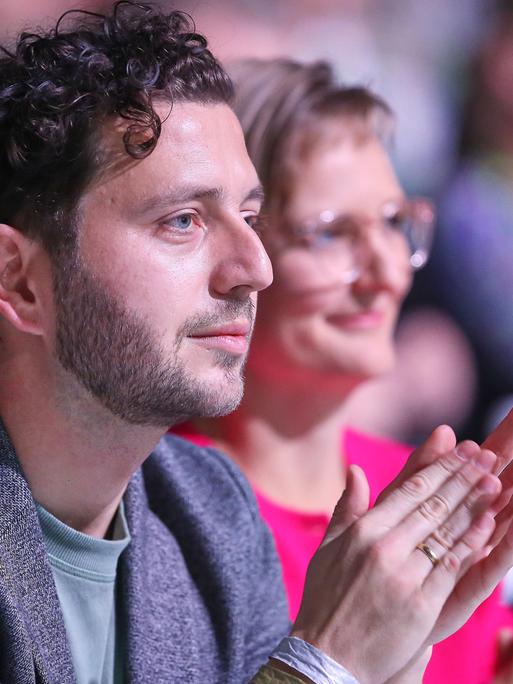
x=429 y=553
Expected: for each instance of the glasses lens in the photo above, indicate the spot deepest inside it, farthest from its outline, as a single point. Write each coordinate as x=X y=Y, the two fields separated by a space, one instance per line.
x=334 y=240
x=415 y=219
x=422 y=224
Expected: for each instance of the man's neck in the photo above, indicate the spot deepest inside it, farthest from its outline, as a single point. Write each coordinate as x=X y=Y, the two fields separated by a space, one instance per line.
x=77 y=457
x=288 y=444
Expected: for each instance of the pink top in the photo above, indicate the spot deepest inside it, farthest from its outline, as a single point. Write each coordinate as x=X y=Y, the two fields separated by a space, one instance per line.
x=469 y=655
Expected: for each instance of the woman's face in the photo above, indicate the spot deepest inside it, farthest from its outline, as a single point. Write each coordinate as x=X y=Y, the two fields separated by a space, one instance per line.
x=312 y=324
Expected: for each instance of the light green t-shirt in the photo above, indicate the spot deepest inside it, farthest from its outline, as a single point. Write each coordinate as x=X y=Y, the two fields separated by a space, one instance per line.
x=84 y=570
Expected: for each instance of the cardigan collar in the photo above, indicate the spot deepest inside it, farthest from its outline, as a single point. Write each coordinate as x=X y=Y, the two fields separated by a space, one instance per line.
x=159 y=598
x=28 y=573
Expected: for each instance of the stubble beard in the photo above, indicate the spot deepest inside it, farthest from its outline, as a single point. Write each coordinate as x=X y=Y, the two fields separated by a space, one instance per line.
x=114 y=355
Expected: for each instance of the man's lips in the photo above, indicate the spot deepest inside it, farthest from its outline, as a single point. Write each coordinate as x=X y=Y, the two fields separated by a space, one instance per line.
x=230 y=337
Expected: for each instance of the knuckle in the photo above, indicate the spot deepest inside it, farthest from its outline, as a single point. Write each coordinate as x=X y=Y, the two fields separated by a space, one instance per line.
x=360 y=532
x=448 y=463
x=435 y=508
x=451 y=563
x=469 y=542
x=380 y=557
x=444 y=536
x=416 y=486
x=469 y=505
x=466 y=477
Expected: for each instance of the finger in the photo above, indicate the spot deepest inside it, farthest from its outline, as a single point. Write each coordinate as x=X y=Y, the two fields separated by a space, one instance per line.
x=441 y=441
x=479 y=582
x=503 y=520
x=506 y=477
x=472 y=559
x=424 y=485
x=465 y=487
x=500 y=441
x=445 y=537
x=353 y=503
x=442 y=578
x=504 y=499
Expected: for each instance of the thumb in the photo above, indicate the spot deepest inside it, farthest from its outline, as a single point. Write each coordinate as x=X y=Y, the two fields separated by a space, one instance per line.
x=353 y=503
x=439 y=442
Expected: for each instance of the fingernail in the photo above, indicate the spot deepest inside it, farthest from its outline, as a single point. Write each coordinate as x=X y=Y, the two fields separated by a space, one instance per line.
x=463 y=451
x=488 y=485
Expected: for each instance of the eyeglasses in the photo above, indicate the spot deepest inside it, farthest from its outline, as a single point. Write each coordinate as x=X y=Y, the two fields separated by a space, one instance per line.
x=343 y=241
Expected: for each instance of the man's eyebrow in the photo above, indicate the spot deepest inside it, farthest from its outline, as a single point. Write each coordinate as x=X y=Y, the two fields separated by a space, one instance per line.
x=179 y=196
x=257 y=193
x=190 y=194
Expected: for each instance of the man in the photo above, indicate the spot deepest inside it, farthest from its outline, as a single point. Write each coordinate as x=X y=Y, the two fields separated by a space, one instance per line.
x=129 y=266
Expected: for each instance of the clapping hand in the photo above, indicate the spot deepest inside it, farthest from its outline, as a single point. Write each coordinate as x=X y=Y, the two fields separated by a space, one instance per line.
x=388 y=582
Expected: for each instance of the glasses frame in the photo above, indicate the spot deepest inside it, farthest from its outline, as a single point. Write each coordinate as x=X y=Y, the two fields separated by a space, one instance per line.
x=418 y=229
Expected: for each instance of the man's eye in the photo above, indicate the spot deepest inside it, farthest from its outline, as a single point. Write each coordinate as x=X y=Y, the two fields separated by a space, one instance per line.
x=251 y=221
x=256 y=222
x=182 y=222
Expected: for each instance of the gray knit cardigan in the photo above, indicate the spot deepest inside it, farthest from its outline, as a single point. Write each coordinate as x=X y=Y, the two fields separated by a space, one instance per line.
x=200 y=583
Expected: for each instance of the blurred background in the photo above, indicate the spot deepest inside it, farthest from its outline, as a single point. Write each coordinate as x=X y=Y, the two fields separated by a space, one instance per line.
x=447 y=71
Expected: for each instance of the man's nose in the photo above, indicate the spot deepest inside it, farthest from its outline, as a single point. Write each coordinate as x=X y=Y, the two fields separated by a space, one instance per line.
x=242 y=265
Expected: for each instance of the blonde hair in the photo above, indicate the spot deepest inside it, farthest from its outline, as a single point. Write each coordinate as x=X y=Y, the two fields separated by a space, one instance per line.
x=286 y=107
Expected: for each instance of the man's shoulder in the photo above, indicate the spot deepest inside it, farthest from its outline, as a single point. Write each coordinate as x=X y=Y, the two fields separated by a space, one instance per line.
x=200 y=544
x=203 y=478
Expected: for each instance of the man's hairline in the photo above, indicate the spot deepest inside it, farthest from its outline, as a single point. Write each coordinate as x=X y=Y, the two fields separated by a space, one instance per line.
x=99 y=175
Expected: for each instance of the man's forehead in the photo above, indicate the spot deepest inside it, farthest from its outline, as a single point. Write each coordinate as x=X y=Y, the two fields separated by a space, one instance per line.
x=200 y=145
x=183 y=125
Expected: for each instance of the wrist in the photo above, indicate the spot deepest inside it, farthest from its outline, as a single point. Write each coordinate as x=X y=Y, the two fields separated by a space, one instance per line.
x=283 y=667
x=313 y=664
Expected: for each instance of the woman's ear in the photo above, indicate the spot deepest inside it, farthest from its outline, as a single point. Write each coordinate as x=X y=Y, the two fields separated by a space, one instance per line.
x=18 y=302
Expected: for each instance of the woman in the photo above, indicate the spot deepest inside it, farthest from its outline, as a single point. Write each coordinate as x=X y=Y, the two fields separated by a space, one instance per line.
x=344 y=241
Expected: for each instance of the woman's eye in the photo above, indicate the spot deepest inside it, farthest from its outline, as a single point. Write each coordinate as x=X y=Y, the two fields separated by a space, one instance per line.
x=323 y=236
x=396 y=221
x=340 y=230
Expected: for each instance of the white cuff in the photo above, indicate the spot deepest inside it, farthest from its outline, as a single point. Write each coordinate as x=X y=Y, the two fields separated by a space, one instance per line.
x=311 y=662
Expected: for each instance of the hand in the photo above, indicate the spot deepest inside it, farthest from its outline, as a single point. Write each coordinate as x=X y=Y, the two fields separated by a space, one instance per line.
x=486 y=567
x=413 y=673
x=500 y=441
x=371 y=597
x=481 y=571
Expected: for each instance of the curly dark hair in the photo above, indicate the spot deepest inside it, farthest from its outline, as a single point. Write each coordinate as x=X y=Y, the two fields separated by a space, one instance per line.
x=58 y=88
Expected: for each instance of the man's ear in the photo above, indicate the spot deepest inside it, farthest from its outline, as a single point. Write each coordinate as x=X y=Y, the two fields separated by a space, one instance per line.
x=18 y=302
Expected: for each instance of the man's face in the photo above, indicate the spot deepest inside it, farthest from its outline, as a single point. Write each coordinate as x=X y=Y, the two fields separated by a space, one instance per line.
x=155 y=313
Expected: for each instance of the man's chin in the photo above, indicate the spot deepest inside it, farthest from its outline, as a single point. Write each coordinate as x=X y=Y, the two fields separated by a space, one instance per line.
x=224 y=402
